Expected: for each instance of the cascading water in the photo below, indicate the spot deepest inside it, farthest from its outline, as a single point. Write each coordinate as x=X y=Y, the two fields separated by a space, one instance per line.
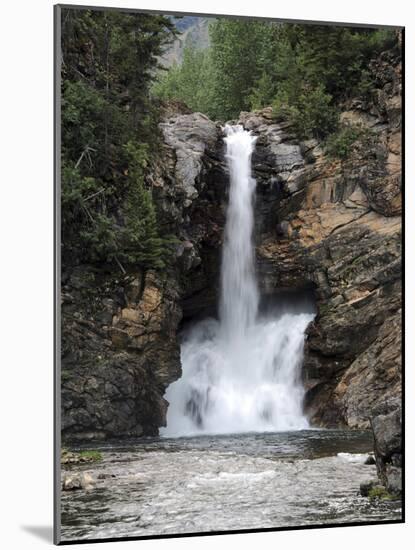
x=239 y=292
x=241 y=373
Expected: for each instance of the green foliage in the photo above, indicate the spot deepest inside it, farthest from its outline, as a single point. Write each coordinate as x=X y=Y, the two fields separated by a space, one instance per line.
x=189 y=81
x=139 y=237
x=324 y=65
x=310 y=112
x=304 y=71
x=340 y=144
x=108 y=65
x=262 y=95
x=336 y=57
x=111 y=82
x=218 y=81
x=234 y=57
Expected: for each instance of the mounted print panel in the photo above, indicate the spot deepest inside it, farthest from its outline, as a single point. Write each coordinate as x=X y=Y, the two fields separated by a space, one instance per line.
x=229 y=291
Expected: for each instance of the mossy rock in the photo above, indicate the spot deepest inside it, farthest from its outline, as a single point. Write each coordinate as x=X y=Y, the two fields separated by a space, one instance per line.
x=90 y=456
x=378 y=492
x=69 y=457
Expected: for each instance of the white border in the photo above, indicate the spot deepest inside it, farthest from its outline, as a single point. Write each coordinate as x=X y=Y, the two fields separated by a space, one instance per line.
x=26 y=232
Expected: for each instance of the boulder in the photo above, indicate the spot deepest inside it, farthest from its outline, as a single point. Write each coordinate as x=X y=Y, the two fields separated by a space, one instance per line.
x=87 y=481
x=76 y=481
x=387 y=432
x=71 y=482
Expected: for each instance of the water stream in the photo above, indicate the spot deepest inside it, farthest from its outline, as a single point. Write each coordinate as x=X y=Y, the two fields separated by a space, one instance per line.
x=225 y=482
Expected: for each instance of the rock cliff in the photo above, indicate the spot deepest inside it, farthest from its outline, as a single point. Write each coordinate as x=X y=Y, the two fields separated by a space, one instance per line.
x=120 y=347
x=327 y=226
x=335 y=227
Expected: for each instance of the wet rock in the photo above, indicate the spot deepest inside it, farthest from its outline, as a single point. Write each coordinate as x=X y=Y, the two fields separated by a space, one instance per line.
x=75 y=481
x=386 y=424
x=367 y=486
x=71 y=482
x=370 y=461
x=87 y=481
x=106 y=476
x=393 y=479
x=387 y=430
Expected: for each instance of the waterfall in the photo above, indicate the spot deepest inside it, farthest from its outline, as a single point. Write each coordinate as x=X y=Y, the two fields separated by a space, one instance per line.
x=240 y=373
x=239 y=292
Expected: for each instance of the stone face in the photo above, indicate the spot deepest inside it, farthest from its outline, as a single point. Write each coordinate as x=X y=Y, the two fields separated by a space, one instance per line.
x=189 y=136
x=377 y=371
x=114 y=377
x=335 y=242
x=387 y=432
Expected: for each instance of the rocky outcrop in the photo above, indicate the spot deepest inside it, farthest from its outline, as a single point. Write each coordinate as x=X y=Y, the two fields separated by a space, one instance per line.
x=191 y=195
x=120 y=347
x=386 y=424
x=335 y=227
x=119 y=352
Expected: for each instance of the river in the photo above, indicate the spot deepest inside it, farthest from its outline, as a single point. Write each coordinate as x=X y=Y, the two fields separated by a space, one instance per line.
x=227 y=482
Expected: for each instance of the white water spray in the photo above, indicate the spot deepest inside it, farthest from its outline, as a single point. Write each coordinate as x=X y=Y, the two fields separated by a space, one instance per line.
x=241 y=373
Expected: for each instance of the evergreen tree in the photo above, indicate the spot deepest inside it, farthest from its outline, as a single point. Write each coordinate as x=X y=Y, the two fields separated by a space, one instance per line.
x=109 y=61
x=139 y=238
x=187 y=81
x=234 y=46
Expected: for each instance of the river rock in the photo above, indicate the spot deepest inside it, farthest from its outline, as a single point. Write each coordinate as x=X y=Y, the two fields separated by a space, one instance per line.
x=71 y=482
x=87 y=481
x=74 y=481
x=106 y=476
x=367 y=486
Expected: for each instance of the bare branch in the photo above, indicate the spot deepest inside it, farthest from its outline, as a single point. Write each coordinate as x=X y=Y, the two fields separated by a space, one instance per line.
x=120 y=265
x=88 y=213
x=94 y=194
x=86 y=152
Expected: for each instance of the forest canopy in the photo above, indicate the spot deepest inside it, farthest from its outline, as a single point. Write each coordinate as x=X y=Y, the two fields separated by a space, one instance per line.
x=303 y=71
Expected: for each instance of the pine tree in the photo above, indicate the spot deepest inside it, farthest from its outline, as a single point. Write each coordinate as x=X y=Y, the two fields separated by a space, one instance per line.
x=109 y=62
x=140 y=242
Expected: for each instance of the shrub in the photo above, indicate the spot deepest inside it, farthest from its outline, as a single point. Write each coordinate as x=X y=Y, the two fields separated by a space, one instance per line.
x=310 y=112
x=340 y=144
